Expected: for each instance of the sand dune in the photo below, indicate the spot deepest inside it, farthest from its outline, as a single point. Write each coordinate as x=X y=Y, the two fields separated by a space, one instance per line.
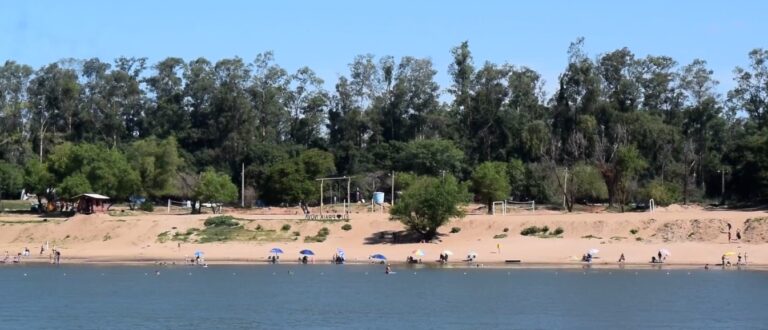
x=693 y=235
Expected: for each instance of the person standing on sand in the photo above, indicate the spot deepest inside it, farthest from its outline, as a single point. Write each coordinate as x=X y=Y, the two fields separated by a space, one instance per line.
x=498 y=247
x=738 y=261
x=738 y=234
x=660 y=257
x=729 y=236
x=621 y=258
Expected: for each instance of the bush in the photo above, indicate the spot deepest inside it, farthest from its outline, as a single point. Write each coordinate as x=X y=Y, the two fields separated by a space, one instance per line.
x=455 y=230
x=323 y=232
x=147 y=207
x=544 y=229
x=296 y=233
x=346 y=227
x=633 y=231
x=499 y=236
x=259 y=228
x=221 y=221
x=662 y=193
x=285 y=227
x=532 y=230
x=505 y=229
x=558 y=231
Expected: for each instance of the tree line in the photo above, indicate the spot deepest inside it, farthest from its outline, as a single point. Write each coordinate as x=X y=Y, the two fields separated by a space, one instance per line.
x=618 y=128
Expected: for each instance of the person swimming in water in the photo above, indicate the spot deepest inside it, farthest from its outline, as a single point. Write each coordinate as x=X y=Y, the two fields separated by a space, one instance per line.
x=388 y=270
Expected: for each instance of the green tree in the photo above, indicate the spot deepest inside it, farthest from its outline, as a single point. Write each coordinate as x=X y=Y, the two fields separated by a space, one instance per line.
x=37 y=179
x=588 y=184
x=430 y=157
x=74 y=185
x=214 y=188
x=490 y=183
x=11 y=179
x=157 y=162
x=430 y=203
x=628 y=165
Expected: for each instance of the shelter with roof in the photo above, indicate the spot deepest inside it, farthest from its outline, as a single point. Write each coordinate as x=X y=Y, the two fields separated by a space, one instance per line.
x=90 y=203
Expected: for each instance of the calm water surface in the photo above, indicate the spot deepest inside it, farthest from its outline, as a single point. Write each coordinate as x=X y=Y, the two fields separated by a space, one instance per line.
x=362 y=297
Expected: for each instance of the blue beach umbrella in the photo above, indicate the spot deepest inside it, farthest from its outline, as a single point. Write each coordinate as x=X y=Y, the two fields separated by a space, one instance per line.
x=307 y=253
x=276 y=251
x=378 y=257
x=340 y=252
x=199 y=253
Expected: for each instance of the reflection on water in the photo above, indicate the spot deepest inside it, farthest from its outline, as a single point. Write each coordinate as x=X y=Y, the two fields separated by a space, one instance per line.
x=362 y=297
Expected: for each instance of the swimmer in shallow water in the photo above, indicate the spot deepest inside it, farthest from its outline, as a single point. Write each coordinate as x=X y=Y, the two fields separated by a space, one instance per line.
x=388 y=269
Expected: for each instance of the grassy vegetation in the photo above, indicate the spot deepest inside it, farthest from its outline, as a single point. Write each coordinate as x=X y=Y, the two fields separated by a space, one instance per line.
x=14 y=205
x=455 y=230
x=322 y=234
x=499 y=236
x=285 y=227
x=590 y=236
x=542 y=232
x=633 y=231
x=348 y=227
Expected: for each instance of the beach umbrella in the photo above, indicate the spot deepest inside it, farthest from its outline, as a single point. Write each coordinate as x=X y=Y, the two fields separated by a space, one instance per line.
x=729 y=253
x=418 y=253
x=472 y=254
x=378 y=256
x=593 y=251
x=448 y=253
x=199 y=253
x=340 y=252
x=276 y=251
x=307 y=253
x=665 y=252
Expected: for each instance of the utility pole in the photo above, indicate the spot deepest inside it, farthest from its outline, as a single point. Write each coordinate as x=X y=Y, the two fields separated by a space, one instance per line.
x=722 y=186
x=242 y=186
x=565 y=190
x=393 y=189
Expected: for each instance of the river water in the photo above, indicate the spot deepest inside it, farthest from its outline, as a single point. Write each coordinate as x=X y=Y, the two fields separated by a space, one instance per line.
x=362 y=297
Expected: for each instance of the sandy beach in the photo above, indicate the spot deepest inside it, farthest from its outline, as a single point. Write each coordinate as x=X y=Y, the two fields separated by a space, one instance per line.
x=693 y=236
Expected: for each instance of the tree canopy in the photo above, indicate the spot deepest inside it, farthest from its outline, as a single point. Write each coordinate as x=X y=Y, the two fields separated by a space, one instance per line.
x=128 y=126
x=430 y=203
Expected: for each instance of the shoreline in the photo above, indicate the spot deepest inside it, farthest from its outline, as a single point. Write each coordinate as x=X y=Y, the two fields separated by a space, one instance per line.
x=431 y=265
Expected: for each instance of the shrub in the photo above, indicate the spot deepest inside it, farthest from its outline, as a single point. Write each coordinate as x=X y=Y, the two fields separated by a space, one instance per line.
x=558 y=231
x=532 y=230
x=296 y=233
x=323 y=232
x=346 y=227
x=285 y=227
x=505 y=229
x=499 y=236
x=147 y=207
x=638 y=239
x=633 y=231
x=455 y=230
x=259 y=228
x=544 y=229
x=221 y=221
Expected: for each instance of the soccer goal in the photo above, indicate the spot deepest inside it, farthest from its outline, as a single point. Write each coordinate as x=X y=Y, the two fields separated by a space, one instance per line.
x=178 y=207
x=522 y=206
x=501 y=206
x=651 y=205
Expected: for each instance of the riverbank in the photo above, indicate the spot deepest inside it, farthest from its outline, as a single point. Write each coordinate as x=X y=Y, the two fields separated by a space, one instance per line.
x=693 y=237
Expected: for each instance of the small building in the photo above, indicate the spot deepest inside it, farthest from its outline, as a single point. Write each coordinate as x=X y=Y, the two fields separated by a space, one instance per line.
x=90 y=203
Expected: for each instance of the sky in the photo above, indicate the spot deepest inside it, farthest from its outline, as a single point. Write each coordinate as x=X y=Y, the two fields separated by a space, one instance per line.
x=326 y=35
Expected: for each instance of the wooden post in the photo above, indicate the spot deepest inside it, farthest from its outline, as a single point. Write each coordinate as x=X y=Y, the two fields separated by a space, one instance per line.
x=321 y=197
x=169 y=206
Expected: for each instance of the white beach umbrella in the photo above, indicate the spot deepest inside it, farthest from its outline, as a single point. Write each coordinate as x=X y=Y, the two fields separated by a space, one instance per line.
x=472 y=254
x=593 y=251
x=665 y=252
x=448 y=253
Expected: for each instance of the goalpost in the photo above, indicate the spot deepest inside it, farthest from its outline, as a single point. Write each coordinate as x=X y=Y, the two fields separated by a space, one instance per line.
x=652 y=205
x=529 y=205
x=503 y=205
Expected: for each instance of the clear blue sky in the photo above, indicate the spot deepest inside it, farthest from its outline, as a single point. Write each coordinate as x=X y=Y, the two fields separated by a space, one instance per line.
x=325 y=35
